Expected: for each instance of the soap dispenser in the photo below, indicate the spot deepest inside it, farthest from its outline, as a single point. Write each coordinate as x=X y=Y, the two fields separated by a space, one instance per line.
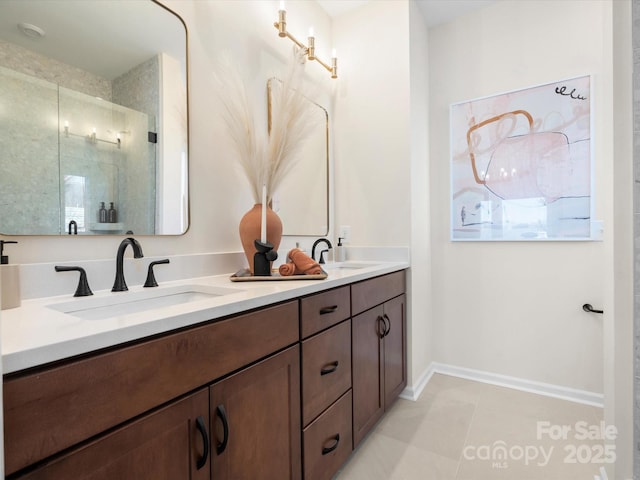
x=112 y=214
x=9 y=280
x=340 y=253
x=102 y=213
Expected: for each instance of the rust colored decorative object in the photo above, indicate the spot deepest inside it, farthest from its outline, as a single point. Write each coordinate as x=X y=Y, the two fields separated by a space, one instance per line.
x=250 y=231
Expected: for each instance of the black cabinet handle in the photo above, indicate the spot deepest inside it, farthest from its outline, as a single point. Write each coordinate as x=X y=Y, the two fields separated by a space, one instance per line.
x=381 y=330
x=331 y=309
x=387 y=324
x=222 y=414
x=329 y=369
x=205 y=440
x=588 y=308
x=330 y=449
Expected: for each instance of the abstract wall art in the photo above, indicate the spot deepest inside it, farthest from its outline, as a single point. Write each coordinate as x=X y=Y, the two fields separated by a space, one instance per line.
x=521 y=164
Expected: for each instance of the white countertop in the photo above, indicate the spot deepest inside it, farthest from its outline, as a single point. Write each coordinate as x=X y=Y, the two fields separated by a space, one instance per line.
x=35 y=334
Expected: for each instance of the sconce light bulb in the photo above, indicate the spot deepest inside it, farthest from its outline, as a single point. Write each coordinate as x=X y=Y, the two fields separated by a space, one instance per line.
x=310 y=32
x=333 y=53
x=93 y=130
x=66 y=124
x=281 y=24
x=281 y=5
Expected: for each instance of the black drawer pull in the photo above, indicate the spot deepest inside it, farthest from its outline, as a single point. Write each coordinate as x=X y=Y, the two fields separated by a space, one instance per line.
x=329 y=369
x=381 y=331
x=330 y=449
x=331 y=309
x=222 y=414
x=205 y=440
x=387 y=324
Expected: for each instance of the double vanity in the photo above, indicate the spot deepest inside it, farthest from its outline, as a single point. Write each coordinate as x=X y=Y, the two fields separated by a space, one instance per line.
x=204 y=378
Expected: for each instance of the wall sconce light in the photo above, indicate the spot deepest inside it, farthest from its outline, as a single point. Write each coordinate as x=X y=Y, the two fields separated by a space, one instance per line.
x=281 y=25
x=92 y=137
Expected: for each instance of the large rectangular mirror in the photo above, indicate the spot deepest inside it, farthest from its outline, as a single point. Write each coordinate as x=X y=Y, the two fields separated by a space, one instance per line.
x=93 y=118
x=302 y=201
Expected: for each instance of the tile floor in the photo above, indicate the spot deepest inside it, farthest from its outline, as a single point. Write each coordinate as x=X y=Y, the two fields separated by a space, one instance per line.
x=458 y=429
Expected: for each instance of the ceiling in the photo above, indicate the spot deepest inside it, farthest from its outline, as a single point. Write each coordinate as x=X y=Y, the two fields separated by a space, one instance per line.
x=435 y=12
x=106 y=38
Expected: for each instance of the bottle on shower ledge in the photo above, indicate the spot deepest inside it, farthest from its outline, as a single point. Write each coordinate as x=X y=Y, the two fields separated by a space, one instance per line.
x=102 y=213
x=112 y=214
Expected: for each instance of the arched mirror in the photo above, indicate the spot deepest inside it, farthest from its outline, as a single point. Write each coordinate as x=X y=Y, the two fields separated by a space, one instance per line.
x=93 y=118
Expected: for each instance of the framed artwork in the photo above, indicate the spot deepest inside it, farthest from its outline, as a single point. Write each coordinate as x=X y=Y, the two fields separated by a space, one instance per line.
x=521 y=164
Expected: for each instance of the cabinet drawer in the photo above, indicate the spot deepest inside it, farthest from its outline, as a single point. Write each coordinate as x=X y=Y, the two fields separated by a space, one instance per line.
x=326 y=369
x=52 y=409
x=322 y=310
x=369 y=293
x=327 y=441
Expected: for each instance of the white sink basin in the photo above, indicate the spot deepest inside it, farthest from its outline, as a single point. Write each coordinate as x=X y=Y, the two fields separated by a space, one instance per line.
x=349 y=265
x=125 y=303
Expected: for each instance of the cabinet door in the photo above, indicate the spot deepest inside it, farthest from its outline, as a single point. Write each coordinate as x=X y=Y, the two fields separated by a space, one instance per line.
x=255 y=421
x=367 y=371
x=394 y=341
x=165 y=445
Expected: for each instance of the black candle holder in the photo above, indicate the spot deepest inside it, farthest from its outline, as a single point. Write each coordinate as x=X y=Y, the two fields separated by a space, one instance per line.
x=262 y=258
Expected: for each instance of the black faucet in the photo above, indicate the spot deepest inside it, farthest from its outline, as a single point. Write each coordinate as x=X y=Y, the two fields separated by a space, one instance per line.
x=83 y=289
x=73 y=224
x=313 y=249
x=119 y=285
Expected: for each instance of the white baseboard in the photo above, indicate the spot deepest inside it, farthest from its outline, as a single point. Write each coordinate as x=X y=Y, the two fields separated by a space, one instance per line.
x=413 y=392
x=547 y=389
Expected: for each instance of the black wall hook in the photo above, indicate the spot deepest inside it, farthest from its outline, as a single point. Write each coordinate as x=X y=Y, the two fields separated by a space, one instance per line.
x=588 y=308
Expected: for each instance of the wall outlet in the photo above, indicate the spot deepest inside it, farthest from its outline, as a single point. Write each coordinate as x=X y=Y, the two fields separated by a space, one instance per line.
x=345 y=233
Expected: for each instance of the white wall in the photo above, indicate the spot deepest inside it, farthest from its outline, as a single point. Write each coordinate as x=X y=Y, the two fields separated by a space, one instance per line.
x=381 y=149
x=515 y=308
x=372 y=131
x=420 y=334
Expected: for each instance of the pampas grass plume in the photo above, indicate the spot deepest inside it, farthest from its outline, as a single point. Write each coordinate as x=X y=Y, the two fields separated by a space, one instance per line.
x=266 y=158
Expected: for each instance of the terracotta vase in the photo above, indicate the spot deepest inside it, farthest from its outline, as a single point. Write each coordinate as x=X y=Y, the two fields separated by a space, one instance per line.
x=250 y=231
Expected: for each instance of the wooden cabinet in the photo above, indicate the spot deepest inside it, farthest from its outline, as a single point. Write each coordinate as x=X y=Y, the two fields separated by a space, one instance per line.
x=255 y=421
x=378 y=351
x=168 y=444
x=282 y=392
x=51 y=409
